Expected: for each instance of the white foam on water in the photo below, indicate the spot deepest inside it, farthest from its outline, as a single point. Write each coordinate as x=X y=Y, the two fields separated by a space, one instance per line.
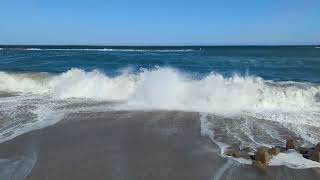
x=23 y=83
x=27 y=114
x=293 y=160
x=108 y=49
x=169 y=89
x=206 y=130
x=33 y=49
x=18 y=167
x=93 y=85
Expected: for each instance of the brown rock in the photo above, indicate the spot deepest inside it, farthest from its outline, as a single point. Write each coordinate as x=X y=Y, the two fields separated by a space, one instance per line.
x=317 y=147
x=291 y=144
x=274 y=151
x=236 y=154
x=263 y=155
x=233 y=151
x=260 y=165
x=315 y=155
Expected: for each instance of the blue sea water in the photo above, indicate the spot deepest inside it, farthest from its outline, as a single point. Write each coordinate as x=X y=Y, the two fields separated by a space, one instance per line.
x=280 y=63
x=257 y=95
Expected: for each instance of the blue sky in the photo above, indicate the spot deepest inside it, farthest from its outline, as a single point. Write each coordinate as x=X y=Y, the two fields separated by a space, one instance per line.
x=160 y=22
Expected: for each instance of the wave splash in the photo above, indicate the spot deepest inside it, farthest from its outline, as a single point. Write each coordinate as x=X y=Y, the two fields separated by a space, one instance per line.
x=166 y=88
x=250 y=101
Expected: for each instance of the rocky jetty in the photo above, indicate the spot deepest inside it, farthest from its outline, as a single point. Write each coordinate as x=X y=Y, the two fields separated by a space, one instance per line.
x=262 y=156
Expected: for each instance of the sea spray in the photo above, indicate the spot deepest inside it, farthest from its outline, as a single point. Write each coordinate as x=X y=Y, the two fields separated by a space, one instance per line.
x=294 y=105
x=169 y=89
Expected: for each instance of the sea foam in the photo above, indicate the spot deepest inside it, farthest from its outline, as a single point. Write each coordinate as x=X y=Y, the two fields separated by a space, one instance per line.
x=165 y=89
x=169 y=89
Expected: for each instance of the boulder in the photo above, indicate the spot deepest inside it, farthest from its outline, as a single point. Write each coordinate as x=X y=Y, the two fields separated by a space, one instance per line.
x=263 y=155
x=314 y=155
x=291 y=144
x=317 y=147
x=303 y=150
x=233 y=151
x=259 y=165
x=274 y=151
x=306 y=155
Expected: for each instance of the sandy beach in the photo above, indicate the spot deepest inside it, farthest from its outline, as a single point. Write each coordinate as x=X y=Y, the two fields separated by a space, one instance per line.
x=127 y=145
x=159 y=90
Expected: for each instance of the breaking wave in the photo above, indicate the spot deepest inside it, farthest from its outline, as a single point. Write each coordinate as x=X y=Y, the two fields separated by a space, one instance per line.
x=166 y=88
x=240 y=106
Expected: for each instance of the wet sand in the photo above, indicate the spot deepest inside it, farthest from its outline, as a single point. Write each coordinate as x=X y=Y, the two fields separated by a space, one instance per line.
x=132 y=145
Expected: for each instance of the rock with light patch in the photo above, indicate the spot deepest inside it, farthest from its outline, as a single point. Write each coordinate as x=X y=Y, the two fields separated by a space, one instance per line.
x=274 y=151
x=263 y=155
x=233 y=151
x=291 y=144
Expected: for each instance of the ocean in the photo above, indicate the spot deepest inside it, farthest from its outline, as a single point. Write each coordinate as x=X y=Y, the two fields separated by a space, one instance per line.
x=245 y=95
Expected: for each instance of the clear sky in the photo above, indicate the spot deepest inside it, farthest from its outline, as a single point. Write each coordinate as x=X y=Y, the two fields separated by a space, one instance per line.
x=160 y=22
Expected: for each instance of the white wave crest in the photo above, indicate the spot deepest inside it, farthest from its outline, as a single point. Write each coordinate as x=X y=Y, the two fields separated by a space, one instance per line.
x=95 y=85
x=295 y=105
x=25 y=83
x=166 y=88
x=108 y=49
x=33 y=49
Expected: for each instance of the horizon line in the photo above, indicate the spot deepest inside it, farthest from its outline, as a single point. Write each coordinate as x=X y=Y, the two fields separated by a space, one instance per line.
x=195 y=45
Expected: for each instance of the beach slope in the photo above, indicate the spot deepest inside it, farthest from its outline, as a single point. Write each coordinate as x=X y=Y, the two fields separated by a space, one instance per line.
x=133 y=145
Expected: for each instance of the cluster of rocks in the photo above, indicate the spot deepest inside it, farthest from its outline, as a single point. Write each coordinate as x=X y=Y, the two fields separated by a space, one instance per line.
x=262 y=156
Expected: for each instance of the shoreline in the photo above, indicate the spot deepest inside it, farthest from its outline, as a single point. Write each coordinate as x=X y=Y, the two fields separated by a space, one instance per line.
x=128 y=145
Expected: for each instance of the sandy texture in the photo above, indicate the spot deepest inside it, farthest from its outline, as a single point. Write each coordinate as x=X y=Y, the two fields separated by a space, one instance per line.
x=127 y=145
